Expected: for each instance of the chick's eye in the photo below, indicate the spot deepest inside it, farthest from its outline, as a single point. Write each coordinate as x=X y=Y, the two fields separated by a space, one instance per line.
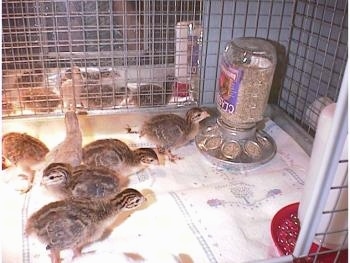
x=51 y=177
x=138 y=201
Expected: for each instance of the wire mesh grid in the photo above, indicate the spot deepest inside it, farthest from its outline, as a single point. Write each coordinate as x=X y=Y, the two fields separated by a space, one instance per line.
x=121 y=54
x=97 y=54
x=317 y=57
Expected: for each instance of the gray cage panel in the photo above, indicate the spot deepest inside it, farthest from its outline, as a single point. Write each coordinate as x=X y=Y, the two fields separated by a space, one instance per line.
x=317 y=56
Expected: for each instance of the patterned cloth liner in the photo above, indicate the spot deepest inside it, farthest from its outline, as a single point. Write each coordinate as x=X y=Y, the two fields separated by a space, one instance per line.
x=197 y=212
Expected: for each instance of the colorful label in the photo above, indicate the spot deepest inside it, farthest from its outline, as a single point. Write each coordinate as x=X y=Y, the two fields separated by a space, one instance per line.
x=229 y=85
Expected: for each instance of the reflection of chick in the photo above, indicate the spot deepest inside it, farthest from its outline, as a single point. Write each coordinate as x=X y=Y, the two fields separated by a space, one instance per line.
x=23 y=151
x=40 y=99
x=71 y=86
x=97 y=96
x=82 y=181
x=103 y=90
x=117 y=155
x=74 y=223
x=31 y=78
x=69 y=150
x=225 y=87
x=152 y=95
x=169 y=131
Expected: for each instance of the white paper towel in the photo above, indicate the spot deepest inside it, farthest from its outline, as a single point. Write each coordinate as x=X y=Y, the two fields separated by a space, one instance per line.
x=337 y=199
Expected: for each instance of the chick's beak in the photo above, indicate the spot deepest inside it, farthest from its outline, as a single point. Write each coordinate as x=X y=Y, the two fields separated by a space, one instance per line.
x=206 y=114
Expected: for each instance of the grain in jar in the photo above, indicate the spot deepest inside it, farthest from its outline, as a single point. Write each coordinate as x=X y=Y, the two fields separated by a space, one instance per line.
x=246 y=73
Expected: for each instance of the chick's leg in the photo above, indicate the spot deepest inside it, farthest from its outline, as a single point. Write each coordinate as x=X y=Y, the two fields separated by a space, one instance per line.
x=172 y=157
x=77 y=251
x=55 y=256
x=160 y=149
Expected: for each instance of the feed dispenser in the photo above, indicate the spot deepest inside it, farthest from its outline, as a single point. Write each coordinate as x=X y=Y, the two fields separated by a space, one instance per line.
x=246 y=73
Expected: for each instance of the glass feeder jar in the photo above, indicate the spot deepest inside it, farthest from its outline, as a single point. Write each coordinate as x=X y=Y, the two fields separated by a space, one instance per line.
x=246 y=72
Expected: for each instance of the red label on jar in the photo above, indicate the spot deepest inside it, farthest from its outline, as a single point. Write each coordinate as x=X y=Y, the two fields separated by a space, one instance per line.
x=229 y=84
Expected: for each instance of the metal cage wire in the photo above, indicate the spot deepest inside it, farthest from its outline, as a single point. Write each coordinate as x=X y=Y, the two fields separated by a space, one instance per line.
x=129 y=54
x=124 y=50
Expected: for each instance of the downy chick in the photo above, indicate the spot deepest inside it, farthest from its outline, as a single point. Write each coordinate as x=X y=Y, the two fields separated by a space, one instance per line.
x=170 y=131
x=117 y=155
x=75 y=222
x=23 y=151
x=82 y=181
x=69 y=150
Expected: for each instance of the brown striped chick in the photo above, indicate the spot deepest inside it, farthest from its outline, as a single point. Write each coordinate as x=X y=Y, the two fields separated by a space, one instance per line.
x=70 y=149
x=71 y=86
x=75 y=222
x=170 y=131
x=116 y=155
x=23 y=151
x=82 y=181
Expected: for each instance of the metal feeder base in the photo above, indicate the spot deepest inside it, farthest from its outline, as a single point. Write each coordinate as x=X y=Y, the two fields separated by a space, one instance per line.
x=235 y=149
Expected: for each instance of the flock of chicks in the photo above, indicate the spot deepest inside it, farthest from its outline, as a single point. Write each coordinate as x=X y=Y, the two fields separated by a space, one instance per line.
x=91 y=181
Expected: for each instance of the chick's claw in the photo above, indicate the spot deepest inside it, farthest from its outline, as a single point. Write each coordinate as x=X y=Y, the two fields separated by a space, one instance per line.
x=173 y=157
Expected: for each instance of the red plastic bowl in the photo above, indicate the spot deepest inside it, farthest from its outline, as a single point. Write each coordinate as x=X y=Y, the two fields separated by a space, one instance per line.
x=285 y=227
